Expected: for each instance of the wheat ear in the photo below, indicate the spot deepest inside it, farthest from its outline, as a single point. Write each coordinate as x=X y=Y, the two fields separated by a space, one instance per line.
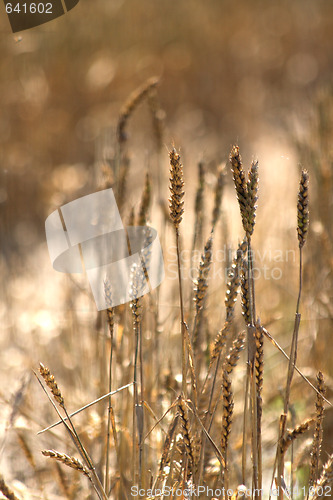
x=303 y=208
x=293 y=434
x=200 y=289
x=51 y=384
x=72 y=462
x=325 y=482
x=185 y=425
x=130 y=105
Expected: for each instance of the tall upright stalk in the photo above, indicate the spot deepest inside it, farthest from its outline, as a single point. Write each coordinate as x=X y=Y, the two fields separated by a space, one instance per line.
x=247 y=194
x=302 y=229
x=176 y=213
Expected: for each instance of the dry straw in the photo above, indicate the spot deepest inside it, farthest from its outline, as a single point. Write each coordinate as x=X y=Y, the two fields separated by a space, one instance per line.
x=145 y=202
x=227 y=398
x=218 y=196
x=318 y=431
x=6 y=491
x=199 y=206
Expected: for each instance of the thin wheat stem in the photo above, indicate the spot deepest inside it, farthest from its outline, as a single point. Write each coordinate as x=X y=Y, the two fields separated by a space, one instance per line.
x=182 y=317
x=110 y=314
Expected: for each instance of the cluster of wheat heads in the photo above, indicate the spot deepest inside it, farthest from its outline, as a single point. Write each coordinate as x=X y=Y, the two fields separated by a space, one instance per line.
x=169 y=432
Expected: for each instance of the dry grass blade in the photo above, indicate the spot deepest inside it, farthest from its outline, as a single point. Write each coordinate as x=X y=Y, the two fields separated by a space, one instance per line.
x=158 y=116
x=72 y=462
x=18 y=399
x=167 y=444
x=86 y=406
x=191 y=359
x=6 y=491
x=199 y=207
x=110 y=320
x=26 y=449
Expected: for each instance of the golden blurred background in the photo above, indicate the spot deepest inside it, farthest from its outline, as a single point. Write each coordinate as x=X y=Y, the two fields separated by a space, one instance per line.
x=257 y=73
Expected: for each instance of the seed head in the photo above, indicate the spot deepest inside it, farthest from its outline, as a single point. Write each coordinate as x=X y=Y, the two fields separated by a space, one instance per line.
x=303 y=208
x=176 y=188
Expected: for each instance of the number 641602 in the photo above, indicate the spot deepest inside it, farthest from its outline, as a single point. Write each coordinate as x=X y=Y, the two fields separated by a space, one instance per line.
x=32 y=8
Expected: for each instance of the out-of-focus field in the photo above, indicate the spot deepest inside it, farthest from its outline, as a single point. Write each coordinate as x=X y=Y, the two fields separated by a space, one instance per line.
x=257 y=74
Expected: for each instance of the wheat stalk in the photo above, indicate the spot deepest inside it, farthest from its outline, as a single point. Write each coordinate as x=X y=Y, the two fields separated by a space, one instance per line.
x=199 y=207
x=227 y=399
x=302 y=228
x=176 y=213
x=110 y=319
x=318 y=431
x=218 y=196
x=145 y=202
